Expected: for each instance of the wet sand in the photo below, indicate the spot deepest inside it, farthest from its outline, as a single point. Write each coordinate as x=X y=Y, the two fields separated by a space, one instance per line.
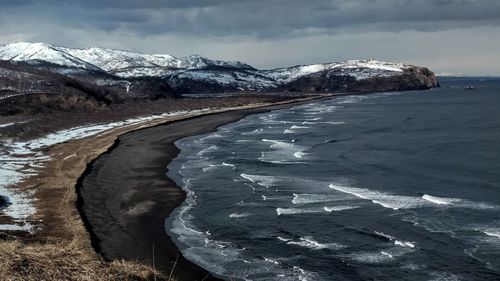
x=125 y=196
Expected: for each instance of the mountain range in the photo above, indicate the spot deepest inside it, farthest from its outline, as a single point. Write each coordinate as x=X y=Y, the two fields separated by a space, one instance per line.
x=111 y=75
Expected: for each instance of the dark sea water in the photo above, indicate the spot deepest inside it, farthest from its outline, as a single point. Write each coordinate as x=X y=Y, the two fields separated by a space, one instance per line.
x=391 y=186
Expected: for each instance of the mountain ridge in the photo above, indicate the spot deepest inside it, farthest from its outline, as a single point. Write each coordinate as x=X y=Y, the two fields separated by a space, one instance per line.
x=59 y=78
x=198 y=74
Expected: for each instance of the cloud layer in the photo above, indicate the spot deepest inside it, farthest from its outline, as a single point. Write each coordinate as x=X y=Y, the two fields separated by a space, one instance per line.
x=261 y=31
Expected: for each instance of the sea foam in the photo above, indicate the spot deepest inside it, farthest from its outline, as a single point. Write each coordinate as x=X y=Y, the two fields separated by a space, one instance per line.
x=309 y=242
x=397 y=202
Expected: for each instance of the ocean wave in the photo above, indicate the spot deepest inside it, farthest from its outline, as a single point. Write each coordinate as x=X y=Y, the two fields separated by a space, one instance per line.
x=384 y=235
x=372 y=257
x=397 y=202
x=339 y=208
x=397 y=242
x=210 y=167
x=326 y=122
x=207 y=150
x=254 y=132
x=444 y=276
x=275 y=197
x=211 y=136
x=492 y=233
x=310 y=243
x=271 y=260
x=387 y=255
x=405 y=244
x=283 y=239
x=227 y=260
x=282 y=152
x=312 y=198
x=264 y=181
x=239 y=215
x=294 y=128
x=386 y=200
x=294 y=211
x=299 y=154
x=228 y=165
x=459 y=203
x=439 y=200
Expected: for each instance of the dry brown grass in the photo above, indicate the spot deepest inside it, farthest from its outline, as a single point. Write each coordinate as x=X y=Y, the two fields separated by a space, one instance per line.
x=38 y=261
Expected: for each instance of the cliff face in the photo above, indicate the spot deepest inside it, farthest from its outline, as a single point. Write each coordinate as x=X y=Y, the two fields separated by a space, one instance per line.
x=411 y=78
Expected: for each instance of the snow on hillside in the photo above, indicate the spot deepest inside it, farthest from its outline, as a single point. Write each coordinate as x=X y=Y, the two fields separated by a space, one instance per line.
x=110 y=60
x=115 y=60
x=41 y=52
x=360 y=69
x=128 y=64
x=242 y=80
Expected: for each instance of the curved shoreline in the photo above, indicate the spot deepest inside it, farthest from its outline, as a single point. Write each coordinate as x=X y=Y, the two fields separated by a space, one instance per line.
x=126 y=221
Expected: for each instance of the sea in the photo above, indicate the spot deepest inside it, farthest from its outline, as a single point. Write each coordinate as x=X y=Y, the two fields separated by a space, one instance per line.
x=386 y=186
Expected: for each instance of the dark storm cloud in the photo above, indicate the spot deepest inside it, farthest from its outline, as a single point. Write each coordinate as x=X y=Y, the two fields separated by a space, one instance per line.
x=260 y=18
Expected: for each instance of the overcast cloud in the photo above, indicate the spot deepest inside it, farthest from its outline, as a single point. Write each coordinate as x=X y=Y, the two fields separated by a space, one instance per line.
x=449 y=36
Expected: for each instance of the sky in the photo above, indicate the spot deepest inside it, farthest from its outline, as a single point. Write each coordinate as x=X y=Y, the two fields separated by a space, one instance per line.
x=451 y=37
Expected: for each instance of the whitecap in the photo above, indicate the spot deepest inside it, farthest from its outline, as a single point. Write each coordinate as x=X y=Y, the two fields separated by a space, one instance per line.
x=458 y=203
x=371 y=257
x=206 y=150
x=294 y=211
x=444 y=276
x=271 y=260
x=209 y=167
x=385 y=235
x=386 y=200
x=339 y=208
x=265 y=181
x=312 y=198
x=299 y=154
x=283 y=239
x=439 y=200
x=492 y=233
x=405 y=244
x=397 y=202
x=326 y=122
x=282 y=152
x=254 y=132
x=387 y=254
x=309 y=242
x=211 y=136
x=239 y=215
x=293 y=127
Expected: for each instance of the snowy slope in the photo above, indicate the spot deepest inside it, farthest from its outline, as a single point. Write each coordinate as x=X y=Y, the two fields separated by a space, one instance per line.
x=360 y=69
x=234 y=74
x=41 y=52
x=113 y=61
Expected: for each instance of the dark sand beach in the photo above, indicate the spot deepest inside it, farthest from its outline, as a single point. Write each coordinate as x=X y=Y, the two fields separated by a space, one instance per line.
x=125 y=196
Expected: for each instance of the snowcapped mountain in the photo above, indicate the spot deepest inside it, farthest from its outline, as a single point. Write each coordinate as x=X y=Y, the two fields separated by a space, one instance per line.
x=109 y=60
x=197 y=74
x=40 y=52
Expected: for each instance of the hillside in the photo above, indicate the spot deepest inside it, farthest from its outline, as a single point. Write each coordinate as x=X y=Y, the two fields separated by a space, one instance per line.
x=197 y=75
